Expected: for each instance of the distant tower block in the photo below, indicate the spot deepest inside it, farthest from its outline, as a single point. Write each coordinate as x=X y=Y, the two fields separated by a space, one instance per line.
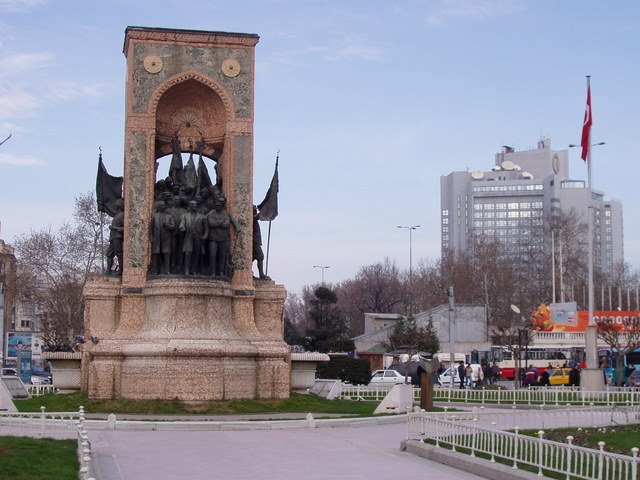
x=193 y=338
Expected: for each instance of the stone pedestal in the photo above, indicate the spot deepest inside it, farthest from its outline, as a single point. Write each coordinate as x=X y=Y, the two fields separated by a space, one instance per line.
x=180 y=340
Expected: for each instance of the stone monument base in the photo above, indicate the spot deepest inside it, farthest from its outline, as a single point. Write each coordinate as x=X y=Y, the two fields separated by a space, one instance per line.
x=191 y=339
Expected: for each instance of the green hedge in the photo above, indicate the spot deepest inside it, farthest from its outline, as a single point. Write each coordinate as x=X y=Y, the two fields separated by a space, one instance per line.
x=353 y=370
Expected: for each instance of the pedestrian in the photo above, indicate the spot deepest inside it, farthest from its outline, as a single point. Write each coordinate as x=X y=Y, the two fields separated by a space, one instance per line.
x=494 y=372
x=544 y=378
x=461 y=371
x=480 y=376
x=468 y=372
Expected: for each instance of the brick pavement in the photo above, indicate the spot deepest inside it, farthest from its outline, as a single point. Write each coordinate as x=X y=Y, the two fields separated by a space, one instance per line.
x=368 y=452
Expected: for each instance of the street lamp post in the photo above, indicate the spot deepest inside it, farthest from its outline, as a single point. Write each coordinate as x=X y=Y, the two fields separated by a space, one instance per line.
x=411 y=229
x=323 y=267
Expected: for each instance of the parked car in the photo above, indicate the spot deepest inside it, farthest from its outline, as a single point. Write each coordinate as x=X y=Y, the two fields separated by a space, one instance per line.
x=40 y=376
x=444 y=379
x=387 y=377
x=558 y=376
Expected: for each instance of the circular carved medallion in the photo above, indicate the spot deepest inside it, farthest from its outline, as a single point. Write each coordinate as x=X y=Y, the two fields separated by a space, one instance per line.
x=153 y=63
x=230 y=67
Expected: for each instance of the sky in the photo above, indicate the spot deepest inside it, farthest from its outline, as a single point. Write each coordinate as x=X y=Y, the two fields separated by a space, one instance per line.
x=367 y=102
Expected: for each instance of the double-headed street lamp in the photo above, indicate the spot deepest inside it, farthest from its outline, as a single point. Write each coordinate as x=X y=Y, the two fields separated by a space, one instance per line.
x=323 y=267
x=411 y=229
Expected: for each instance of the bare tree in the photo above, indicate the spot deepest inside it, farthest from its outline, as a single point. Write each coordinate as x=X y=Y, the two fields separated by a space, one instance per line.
x=376 y=288
x=53 y=267
x=622 y=334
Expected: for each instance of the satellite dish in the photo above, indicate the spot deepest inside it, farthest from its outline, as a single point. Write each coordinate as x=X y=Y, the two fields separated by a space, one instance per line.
x=477 y=174
x=527 y=175
x=508 y=165
x=496 y=168
x=515 y=309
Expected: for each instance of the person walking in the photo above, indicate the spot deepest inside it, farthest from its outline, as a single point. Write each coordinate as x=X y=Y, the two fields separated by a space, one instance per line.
x=461 y=374
x=468 y=372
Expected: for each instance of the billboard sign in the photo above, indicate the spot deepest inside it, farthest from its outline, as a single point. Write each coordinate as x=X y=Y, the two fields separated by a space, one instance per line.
x=564 y=313
x=17 y=341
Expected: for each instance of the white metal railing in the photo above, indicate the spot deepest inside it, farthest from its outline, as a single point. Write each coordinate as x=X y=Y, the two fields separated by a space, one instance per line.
x=552 y=395
x=530 y=396
x=532 y=418
x=38 y=390
x=368 y=392
x=38 y=424
x=55 y=425
x=519 y=450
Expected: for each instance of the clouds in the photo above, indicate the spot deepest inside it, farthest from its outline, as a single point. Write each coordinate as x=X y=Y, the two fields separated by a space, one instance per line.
x=20 y=161
x=442 y=12
x=14 y=65
x=19 y=6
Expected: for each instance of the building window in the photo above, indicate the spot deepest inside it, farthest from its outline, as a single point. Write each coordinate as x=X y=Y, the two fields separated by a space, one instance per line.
x=572 y=184
x=445 y=229
x=445 y=221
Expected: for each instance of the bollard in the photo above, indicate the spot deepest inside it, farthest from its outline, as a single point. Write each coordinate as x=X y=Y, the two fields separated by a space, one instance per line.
x=43 y=420
x=311 y=422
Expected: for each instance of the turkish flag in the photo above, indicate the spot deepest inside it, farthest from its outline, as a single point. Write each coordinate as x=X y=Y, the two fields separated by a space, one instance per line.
x=586 y=127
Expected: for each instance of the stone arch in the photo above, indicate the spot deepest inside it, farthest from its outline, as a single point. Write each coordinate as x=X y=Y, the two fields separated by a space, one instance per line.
x=194 y=107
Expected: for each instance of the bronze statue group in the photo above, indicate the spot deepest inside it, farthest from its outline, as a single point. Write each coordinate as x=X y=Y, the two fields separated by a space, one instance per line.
x=190 y=229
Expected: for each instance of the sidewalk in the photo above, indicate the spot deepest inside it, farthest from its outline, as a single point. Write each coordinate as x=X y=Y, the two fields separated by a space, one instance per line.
x=353 y=452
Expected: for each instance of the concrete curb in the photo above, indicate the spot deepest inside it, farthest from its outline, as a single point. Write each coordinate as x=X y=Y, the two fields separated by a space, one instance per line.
x=216 y=425
x=466 y=463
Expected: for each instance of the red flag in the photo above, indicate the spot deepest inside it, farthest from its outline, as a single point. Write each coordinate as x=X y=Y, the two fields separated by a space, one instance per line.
x=586 y=127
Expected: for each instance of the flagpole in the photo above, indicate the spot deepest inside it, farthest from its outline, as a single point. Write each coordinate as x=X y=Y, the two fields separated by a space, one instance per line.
x=266 y=265
x=101 y=215
x=592 y=378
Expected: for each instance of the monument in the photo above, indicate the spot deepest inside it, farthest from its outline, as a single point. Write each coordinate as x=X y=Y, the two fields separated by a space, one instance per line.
x=207 y=330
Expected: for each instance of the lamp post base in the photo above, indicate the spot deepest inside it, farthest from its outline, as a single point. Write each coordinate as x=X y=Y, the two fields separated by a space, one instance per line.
x=591 y=380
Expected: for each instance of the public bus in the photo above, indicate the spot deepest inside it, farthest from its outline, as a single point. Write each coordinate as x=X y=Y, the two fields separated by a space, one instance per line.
x=607 y=360
x=538 y=356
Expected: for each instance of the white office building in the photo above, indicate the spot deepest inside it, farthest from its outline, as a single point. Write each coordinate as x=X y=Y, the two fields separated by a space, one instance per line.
x=512 y=200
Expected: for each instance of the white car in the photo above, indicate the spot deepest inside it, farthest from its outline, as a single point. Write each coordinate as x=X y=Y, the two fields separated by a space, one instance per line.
x=388 y=377
x=445 y=377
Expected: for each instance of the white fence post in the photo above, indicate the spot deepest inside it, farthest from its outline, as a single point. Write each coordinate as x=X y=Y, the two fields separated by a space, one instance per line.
x=540 y=452
x=569 y=450
x=493 y=442
x=515 y=449
x=634 y=465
